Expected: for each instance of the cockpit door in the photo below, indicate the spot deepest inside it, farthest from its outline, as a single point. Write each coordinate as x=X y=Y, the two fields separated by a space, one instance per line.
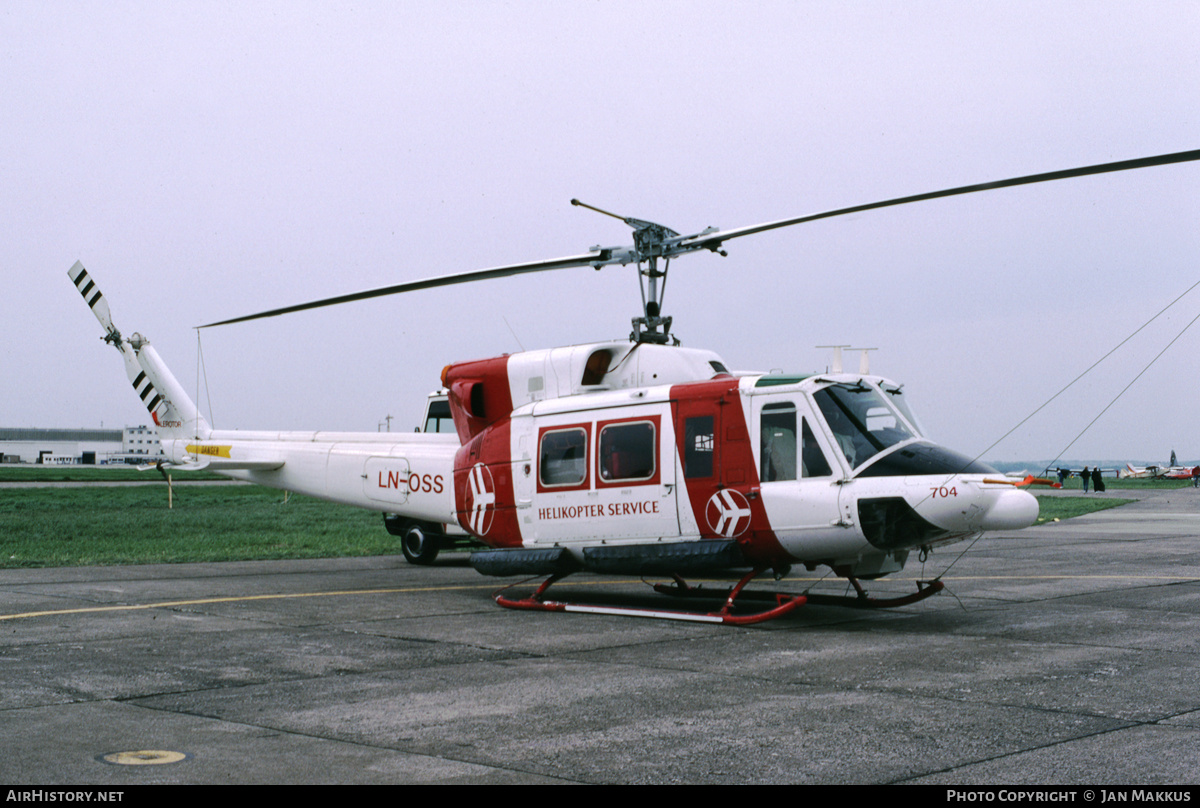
x=799 y=486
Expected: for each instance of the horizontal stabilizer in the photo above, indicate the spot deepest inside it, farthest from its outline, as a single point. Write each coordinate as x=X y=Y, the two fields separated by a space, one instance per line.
x=166 y=465
x=228 y=457
x=208 y=465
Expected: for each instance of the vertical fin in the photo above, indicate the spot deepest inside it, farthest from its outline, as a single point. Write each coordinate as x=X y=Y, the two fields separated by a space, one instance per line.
x=176 y=417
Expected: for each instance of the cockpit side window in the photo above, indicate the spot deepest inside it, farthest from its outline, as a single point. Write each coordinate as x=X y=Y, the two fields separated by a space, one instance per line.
x=861 y=421
x=779 y=458
x=812 y=459
x=777 y=428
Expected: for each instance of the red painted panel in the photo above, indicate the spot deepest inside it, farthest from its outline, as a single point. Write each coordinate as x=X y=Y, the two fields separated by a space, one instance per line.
x=483 y=487
x=726 y=504
x=479 y=394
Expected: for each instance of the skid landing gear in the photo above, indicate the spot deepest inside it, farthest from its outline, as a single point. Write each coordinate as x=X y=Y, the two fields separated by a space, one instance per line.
x=784 y=603
x=861 y=600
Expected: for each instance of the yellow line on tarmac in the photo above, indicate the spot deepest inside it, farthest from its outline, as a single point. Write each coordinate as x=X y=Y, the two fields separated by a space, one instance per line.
x=166 y=604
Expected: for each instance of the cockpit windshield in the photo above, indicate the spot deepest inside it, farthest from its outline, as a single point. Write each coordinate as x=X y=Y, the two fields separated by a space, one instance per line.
x=862 y=421
x=900 y=402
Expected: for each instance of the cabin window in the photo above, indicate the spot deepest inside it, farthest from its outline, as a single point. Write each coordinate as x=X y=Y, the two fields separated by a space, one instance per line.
x=562 y=457
x=698 y=447
x=627 y=451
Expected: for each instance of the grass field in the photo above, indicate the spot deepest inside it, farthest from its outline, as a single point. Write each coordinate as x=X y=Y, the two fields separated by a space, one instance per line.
x=1052 y=508
x=52 y=527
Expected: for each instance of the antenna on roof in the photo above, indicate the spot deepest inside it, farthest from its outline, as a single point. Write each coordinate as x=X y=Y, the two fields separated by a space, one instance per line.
x=836 y=365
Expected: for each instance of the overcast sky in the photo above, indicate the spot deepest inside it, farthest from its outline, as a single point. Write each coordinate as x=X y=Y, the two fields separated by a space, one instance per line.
x=206 y=160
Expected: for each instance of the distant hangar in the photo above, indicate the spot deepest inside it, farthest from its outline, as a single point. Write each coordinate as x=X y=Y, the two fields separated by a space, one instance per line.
x=133 y=444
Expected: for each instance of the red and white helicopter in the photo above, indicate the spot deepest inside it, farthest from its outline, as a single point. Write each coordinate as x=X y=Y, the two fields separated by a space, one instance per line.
x=635 y=456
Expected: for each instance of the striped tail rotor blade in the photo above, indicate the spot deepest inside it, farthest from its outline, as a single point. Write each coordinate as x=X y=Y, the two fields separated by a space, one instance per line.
x=91 y=295
x=142 y=385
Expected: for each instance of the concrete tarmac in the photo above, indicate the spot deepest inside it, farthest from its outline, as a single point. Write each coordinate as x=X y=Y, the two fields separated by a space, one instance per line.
x=1062 y=654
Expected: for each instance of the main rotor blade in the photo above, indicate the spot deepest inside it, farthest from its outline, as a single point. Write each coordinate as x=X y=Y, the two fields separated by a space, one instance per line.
x=712 y=240
x=588 y=259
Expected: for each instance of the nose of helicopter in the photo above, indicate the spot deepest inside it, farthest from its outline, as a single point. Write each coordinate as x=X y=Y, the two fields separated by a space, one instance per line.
x=1012 y=509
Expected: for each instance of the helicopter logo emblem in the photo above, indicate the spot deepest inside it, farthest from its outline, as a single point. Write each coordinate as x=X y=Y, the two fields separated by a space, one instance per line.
x=482 y=499
x=728 y=513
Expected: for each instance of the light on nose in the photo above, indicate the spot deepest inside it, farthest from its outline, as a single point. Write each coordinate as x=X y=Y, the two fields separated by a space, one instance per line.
x=1011 y=510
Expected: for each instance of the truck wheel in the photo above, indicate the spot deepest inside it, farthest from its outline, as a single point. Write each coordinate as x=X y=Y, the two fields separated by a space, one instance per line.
x=418 y=545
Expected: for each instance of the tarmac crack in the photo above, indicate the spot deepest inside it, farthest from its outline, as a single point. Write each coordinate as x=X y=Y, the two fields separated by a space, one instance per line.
x=1035 y=748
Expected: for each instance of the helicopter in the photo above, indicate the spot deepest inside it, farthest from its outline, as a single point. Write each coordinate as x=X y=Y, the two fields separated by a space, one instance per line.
x=636 y=456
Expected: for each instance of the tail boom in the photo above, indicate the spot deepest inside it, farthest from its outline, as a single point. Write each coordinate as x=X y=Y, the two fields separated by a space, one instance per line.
x=409 y=474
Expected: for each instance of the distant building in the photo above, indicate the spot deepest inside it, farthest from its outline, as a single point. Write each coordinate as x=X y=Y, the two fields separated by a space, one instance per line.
x=140 y=441
x=133 y=444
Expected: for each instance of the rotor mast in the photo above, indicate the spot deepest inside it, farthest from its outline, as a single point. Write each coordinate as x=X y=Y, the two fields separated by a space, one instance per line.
x=649 y=240
x=652 y=326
